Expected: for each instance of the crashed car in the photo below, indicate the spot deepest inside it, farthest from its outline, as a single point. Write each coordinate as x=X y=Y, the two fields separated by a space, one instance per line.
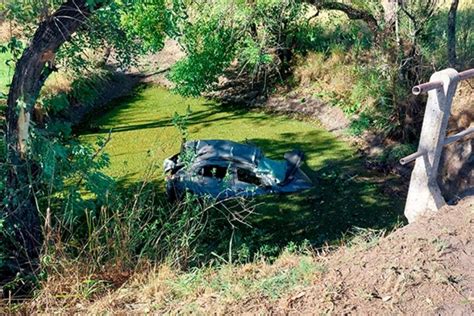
x=223 y=169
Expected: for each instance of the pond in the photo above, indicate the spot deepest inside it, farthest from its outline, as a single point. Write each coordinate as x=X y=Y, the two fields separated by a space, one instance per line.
x=345 y=195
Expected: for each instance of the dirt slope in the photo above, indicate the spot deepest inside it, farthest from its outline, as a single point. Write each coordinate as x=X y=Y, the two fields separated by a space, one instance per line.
x=422 y=268
x=426 y=267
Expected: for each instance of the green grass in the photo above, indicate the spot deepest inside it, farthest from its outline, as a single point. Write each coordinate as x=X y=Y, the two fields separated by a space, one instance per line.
x=345 y=194
x=6 y=72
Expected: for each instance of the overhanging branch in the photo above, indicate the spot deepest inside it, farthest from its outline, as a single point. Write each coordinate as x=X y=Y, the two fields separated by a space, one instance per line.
x=351 y=12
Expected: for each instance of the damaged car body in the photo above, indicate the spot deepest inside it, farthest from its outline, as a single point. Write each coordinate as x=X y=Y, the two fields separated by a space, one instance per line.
x=223 y=169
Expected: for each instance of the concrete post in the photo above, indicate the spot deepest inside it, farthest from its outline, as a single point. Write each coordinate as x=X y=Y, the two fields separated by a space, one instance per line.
x=424 y=194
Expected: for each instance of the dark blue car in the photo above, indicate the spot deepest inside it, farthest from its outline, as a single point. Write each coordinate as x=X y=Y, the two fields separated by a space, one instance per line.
x=223 y=169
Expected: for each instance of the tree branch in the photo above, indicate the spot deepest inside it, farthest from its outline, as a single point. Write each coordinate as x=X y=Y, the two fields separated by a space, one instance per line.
x=351 y=12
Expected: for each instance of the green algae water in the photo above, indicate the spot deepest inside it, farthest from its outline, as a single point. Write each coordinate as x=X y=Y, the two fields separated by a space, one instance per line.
x=345 y=194
x=6 y=72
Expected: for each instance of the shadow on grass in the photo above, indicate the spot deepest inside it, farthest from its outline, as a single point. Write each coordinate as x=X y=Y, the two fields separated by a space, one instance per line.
x=201 y=119
x=345 y=195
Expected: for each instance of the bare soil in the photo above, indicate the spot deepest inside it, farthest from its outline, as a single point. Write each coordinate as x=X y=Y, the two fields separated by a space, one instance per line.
x=423 y=268
x=331 y=118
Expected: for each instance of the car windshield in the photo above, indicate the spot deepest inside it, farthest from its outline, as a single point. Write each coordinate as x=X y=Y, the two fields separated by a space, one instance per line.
x=276 y=169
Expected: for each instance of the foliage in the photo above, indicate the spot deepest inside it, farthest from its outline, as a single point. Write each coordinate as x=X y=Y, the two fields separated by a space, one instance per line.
x=146 y=20
x=130 y=28
x=258 y=39
x=271 y=34
x=67 y=169
x=393 y=154
x=140 y=225
x=433 y=42
x=181 y=123
x=209 y=43
x=60 y=166
x=27 y=13
x=259 y=36
x=3 y=171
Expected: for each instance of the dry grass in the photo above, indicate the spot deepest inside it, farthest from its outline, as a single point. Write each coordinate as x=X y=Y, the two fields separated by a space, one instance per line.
x=9 y=29
x=420 y=268
x=71 y=287
x=57 y=83
x=329 y=77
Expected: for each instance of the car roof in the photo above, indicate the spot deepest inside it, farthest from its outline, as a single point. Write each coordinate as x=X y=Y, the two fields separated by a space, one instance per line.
x=224 y=149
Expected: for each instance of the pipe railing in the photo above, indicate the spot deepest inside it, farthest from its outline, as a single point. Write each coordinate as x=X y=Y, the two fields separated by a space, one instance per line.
x=424 y=194
x=412 y=157
x=447 y=141
x=458 y=136
x=425 y=87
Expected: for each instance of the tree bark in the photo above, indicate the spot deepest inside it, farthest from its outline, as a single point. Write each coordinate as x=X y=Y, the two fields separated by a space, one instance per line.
x=452 y=32
x=30 y=74
x=390 y=12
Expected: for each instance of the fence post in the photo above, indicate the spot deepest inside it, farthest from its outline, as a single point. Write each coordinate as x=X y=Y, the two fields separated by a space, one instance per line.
x=424 y=194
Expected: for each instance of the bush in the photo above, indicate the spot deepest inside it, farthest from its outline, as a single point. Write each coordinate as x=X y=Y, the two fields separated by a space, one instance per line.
x=393 y=154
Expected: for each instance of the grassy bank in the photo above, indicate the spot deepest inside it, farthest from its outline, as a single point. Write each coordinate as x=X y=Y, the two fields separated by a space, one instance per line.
x=370 y=274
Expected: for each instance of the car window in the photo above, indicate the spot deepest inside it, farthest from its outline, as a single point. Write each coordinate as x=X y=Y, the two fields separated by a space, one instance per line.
x=213 y=171
x=248 y=176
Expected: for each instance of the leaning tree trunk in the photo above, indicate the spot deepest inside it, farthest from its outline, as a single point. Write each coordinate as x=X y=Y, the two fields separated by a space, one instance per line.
x=30 y=74
x=452 y=32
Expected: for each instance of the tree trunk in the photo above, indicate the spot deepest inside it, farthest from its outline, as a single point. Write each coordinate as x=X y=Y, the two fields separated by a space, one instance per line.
x=452 y=32
x=391 y=25
x=30 y=74
x=389 y=12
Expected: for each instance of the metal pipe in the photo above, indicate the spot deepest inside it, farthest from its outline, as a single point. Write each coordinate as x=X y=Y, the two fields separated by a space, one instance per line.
x=467 y=74
x=412 y=157
x=458 y=136
x=447 y=141
x=424 y=87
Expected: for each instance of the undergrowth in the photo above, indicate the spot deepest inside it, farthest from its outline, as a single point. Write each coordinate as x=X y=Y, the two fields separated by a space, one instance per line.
x=78 y=284
x=371 y=81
